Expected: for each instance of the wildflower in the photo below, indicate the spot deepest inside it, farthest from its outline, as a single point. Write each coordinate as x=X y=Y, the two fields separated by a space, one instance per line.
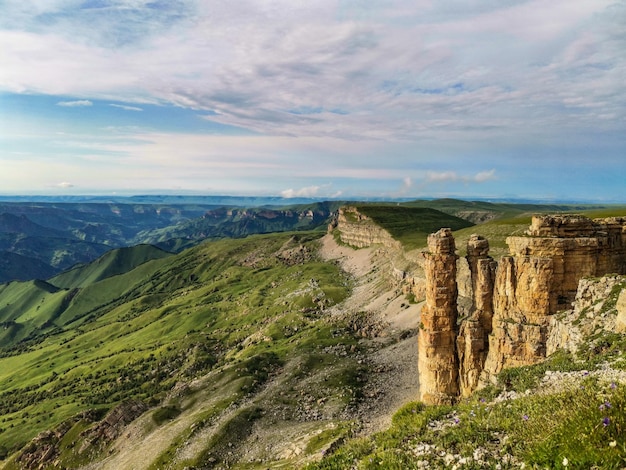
x=472 y=414
x=606 y=421
x=456 y=420
x=607 y=404
x=482 y=400
x=612 y=443
x=613 y=386
x=525 y=417
x=565 y=462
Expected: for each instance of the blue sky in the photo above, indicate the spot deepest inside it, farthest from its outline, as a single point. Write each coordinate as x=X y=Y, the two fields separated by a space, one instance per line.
x=343 y=98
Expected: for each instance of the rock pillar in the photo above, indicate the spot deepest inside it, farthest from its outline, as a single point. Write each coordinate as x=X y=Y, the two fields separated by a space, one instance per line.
x=473 y=342
x=437 y=362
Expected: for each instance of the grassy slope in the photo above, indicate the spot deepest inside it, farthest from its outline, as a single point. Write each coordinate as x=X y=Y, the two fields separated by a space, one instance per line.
x=230 y=308
x=31 y=309
x=112 y=263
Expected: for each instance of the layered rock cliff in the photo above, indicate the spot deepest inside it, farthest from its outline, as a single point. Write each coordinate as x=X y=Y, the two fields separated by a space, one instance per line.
x=359 y=231
x=514 y=302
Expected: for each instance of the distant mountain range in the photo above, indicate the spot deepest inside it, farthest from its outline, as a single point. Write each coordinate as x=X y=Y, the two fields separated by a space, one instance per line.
x=41 y=239
x=43 y=236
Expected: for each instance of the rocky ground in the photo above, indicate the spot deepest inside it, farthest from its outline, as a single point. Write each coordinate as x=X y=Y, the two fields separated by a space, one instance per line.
x=390 y=335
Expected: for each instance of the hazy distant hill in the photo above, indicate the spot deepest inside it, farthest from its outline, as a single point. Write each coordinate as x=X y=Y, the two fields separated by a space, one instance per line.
x=61 y=235
x=234 y=222
x=14 y=266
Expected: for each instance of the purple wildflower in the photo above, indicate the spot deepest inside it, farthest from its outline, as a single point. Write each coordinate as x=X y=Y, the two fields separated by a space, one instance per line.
x=525 y=417
x=607 y=404
x=606 y=421
x=456 y=420
x=613 y=386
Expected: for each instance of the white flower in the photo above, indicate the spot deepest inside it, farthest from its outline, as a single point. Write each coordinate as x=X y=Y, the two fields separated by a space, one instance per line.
x=612 y=443
x=565 y=461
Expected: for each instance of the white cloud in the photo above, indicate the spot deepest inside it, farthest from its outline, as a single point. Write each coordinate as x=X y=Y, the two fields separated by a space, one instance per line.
x=397 y=72
x=378 y=91
x=75 y=104
x=126 y=108
x=65 y=185
x=453 y=176
x=441 y=176
x=484 y=176
x=309 y=191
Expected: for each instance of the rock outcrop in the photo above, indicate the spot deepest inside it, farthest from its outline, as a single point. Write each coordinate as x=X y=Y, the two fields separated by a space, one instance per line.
x=512 y=320
x=596 y=307
x=541 y=277
x=437 y=360
x=112 y=425
x=358 y=230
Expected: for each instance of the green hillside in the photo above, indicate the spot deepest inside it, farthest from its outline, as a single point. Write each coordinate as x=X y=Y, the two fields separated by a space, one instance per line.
x=234 y=310
x=112 y=263
x=27 y=307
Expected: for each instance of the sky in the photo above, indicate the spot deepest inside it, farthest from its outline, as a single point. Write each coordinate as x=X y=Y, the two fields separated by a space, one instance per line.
x=474 y=99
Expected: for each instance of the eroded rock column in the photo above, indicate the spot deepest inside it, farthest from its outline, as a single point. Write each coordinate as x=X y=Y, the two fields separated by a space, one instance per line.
x=473 y=342
x=437 y=362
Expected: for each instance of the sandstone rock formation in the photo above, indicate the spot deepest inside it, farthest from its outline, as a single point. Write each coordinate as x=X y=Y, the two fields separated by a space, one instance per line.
x=511 y=321
x=472 y=341
x=437 y=360
x=541 y=277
